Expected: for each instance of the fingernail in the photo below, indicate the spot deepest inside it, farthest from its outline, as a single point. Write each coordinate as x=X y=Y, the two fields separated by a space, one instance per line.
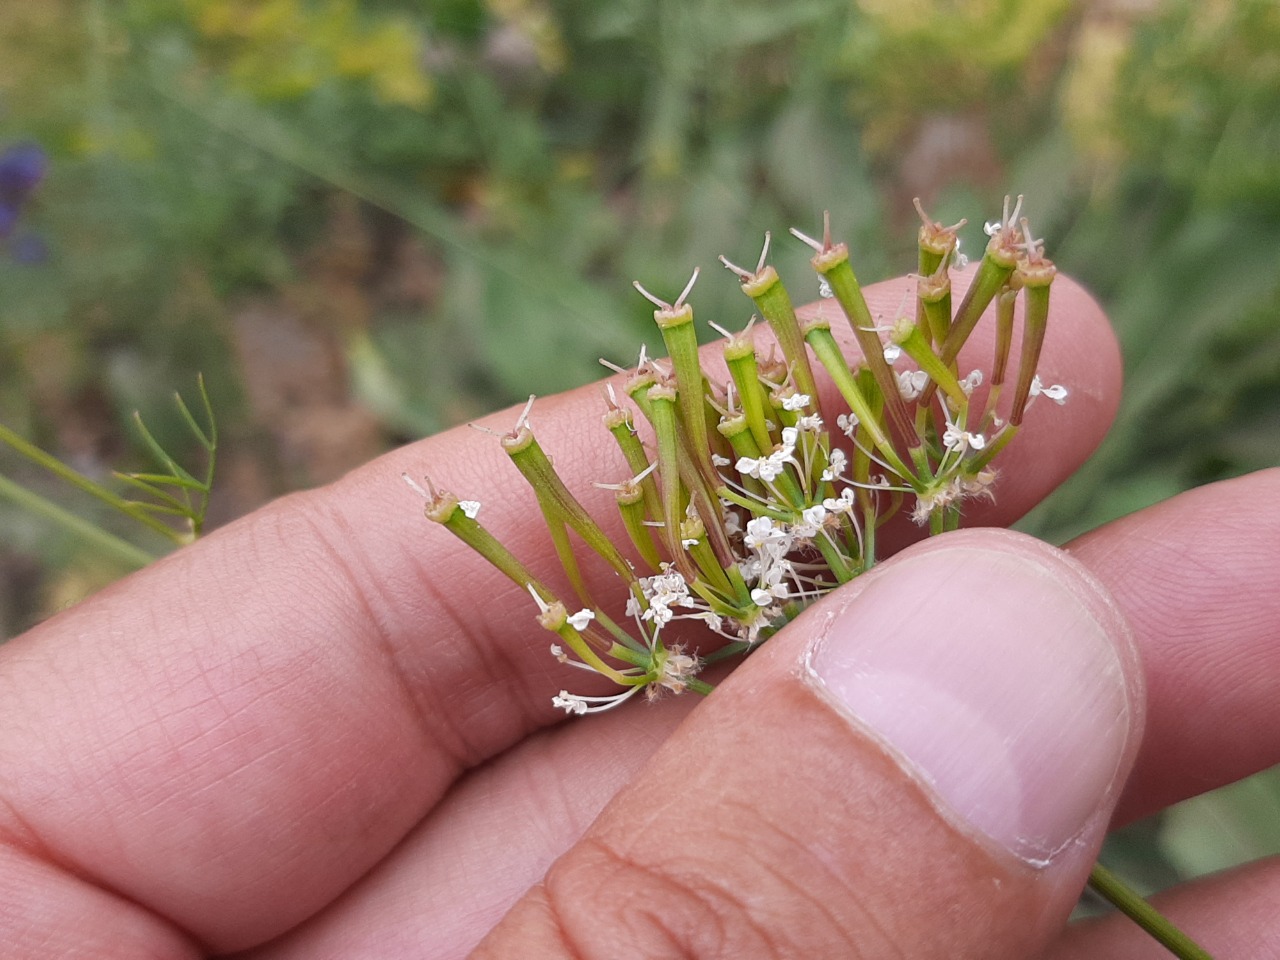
x=1002 y=679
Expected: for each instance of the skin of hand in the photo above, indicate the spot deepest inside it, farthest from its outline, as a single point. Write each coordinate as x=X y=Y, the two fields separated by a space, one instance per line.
x=326 y=731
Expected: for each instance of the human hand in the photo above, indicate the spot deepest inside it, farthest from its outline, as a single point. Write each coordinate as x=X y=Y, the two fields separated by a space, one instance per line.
x=326 y=731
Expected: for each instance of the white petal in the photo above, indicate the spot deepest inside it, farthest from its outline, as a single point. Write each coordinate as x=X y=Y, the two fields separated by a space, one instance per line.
x=580 y=619
x=796 y=401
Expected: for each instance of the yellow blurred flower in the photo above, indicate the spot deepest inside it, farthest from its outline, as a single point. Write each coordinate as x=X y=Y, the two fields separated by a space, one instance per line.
x=282 y=49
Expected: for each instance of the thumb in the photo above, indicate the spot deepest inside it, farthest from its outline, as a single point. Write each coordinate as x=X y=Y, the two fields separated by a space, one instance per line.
x=922 y=765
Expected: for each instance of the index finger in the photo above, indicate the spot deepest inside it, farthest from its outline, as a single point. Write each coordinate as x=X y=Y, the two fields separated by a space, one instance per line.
x=229 y=738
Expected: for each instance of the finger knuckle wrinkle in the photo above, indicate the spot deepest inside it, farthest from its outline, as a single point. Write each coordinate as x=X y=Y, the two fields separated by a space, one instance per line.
x=611 y=906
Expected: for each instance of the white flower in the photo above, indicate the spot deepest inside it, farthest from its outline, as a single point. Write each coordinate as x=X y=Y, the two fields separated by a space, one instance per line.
x=580 y=619
x=770 y=468
x=764 y=596
x=959 y=440
x=992 y=227
x=811 y=519
x=666 y=587
x=847 y=422
x=841 y=504
x=763 y=468
x=769 y=586
x=971 y=382
x=891 y=353
x=797 y=401
x=810 y=424
x=719 y=461
x=836 y=465
x=760 y=531
x=814 y=515
x=911 y=383
x=576 y=705
x=659 y=614
x=664 y=591
x=1057 y=392
x=469 y=507
x=824 y=289
x=569 y=703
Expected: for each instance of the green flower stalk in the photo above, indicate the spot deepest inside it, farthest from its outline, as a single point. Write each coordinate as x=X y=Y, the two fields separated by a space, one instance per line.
x=831 y=260
x=936 y=243
x=765 y=288
x=1034 y=274
x=675 y=320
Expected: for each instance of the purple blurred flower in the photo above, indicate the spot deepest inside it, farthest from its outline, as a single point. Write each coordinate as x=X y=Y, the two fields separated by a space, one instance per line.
x=22 y=167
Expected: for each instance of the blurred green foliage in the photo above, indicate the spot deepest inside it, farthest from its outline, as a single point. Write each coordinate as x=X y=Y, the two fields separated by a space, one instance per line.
x=365 y=221
x=1179 y=235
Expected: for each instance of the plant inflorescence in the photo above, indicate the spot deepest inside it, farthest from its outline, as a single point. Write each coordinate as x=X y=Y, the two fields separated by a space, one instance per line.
x=750 y=495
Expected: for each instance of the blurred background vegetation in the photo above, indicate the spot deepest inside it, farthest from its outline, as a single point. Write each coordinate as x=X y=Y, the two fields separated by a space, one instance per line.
x=366 y=221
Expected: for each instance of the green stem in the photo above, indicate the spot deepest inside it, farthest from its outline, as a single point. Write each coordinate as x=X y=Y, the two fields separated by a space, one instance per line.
x=757 y=507
x=834 y=265
x=32 y=502
x=676 y=324
x=633 y=516
x=1116 y=892
x=740 y=357
x=911 y=338
x=557 y=503
x=773 y=301
x=993 y=272
x=619 y=423
x=936 y=523
x=818 y=334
